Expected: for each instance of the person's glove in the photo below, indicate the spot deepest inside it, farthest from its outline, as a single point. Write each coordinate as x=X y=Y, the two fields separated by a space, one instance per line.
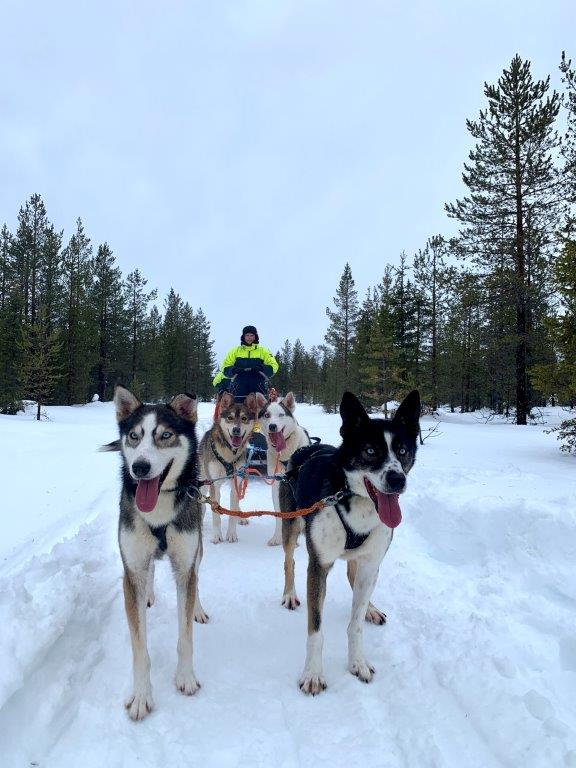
x=244 y=364
x=268 y=371
x=230 y=370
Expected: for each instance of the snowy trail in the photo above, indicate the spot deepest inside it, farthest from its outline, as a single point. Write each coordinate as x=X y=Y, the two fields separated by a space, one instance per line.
x=476 y=666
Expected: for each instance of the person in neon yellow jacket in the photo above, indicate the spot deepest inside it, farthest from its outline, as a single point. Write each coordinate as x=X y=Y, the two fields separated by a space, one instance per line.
x=246 y=368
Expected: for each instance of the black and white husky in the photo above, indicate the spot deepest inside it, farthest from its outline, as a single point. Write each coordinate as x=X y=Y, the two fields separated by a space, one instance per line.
x=369 y=468
x=283 y=437
x=159 y=462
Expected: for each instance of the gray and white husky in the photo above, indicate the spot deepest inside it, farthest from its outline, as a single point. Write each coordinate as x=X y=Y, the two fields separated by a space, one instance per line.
x=369 y=469
x=283 y=436
x=159 y=463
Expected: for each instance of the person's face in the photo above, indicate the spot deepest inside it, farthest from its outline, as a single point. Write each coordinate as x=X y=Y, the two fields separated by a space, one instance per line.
x=249 y=338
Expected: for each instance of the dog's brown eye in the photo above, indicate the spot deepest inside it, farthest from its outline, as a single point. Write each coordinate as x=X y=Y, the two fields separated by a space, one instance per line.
x=266 y=415
x=166 y=435
x=133 y=436
x=244 y=419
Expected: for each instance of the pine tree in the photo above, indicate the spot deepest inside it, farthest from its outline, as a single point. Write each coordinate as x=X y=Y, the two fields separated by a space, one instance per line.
x=175 y=343
x=152 y=357
x=341 y=332
x=110 y=319
x=569 y=147
x=557 y=378
x=200 y=356
x=79 y=353
x=282 y=381
x=432 y=277
x=39 y=370
x=29 y=251
x=10 y=322
x=137 y=301
x=510 y=174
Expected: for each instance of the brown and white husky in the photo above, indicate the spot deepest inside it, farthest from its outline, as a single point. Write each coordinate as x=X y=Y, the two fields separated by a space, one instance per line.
x=223 y=451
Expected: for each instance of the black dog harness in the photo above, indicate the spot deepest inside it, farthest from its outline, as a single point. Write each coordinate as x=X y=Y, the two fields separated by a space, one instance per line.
x=353 y=539
x=228 y=466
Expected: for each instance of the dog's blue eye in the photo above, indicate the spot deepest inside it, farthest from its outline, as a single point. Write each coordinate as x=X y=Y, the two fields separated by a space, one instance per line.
x=133 y=436
x=166 y=435
x=402 y=451
x=370 y=451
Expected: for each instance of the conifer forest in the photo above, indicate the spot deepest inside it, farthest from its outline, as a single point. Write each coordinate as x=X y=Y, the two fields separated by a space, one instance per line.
x=485 y=319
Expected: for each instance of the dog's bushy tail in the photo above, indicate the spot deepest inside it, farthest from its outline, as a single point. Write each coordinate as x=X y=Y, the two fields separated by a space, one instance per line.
x=113 y=446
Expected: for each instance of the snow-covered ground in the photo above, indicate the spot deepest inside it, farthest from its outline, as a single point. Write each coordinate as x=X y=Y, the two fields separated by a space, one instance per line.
x=476 y=666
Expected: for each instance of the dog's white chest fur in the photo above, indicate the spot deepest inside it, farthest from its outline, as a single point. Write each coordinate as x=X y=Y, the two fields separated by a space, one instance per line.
x=329 y=535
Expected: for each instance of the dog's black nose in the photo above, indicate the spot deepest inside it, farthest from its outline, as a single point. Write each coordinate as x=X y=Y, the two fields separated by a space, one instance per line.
x=235 y=430
x=396 y=481
x=141 y=468
x=272 y=427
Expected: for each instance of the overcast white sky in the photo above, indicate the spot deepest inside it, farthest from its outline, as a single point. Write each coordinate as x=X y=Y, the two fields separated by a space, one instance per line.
x=243 y=151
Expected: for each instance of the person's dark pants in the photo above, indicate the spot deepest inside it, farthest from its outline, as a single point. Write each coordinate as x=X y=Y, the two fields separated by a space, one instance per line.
x=246 y=383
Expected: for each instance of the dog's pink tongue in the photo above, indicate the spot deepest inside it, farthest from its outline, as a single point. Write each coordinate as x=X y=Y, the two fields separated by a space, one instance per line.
x=388 y=508
x=147 y=494
x=277 y=440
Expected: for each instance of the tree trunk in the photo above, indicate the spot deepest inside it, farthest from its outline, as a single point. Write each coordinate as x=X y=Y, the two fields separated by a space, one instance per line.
x=521 y=383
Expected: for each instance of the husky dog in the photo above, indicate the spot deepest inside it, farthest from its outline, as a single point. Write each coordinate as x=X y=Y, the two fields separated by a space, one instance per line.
x=370 y=469
x=284 y=436
x=159 y=462
x=223 y=450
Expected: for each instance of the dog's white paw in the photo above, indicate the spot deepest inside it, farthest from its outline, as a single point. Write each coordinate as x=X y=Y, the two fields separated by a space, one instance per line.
x=290 y=601
x=374 y=616
x=216 y=538
x=140 y=704
x=186 y=682
x=311 y=683
x=362 y=670
x=275 y=541
x=200 y=615
x=232 y=537
x=243 y=521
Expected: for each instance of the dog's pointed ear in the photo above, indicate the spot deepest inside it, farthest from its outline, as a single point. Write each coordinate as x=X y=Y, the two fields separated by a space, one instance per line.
x=251 y=402
x=126 y=403
x=113 y=446
x=260 y=400
x=289 y=402
x=354 y=416
x=408 y=413
x=226 y=400
x=186 y=406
